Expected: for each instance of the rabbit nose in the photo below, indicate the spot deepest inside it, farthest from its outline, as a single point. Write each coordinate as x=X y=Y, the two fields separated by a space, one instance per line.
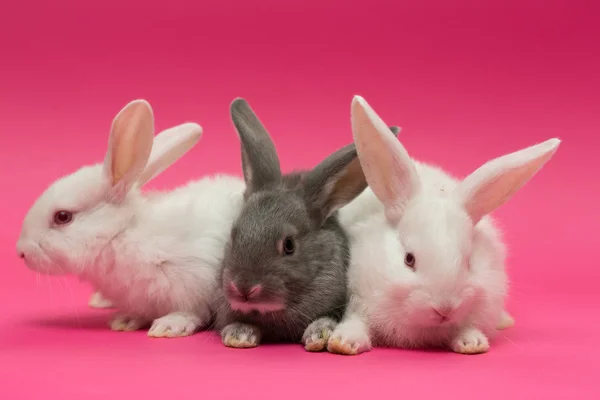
x=444 y=311
x=245 y=293
x=20 y=251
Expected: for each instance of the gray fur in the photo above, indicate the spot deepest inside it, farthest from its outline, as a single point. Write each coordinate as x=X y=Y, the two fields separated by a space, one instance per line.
x=312 y=281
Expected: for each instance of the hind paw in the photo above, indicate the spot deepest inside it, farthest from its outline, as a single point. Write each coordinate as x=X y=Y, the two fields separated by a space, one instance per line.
x=125 y=323
x=99 y=301
x=506 y=321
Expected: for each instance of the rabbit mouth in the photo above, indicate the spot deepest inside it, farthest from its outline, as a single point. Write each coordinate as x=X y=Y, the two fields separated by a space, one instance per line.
x=36 y=260
x=246 y=307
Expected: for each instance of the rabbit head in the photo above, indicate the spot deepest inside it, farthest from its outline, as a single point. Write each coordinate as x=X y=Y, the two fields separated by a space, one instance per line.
x=73 y=220
x=286 y=245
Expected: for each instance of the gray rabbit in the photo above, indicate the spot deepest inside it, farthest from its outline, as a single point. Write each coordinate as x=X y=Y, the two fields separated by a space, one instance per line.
x=283 y=276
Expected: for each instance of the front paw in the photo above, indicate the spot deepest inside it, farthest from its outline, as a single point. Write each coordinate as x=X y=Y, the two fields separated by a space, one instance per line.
x=348 y=339
x=173 y=325
x=240 y=336
x=317 y=334
x=126 y=323
x=99 y=301
x=470 y=341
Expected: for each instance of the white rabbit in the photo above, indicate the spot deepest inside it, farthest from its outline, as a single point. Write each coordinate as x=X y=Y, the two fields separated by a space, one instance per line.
x=169 y=146
x=154 y=256
x=430 y=269
x=367 y=204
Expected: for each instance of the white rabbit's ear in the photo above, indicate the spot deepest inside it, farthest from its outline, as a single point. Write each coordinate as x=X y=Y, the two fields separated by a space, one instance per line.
x=492 y=184
x=169 y=146
x=129 y=147
x=388 y=168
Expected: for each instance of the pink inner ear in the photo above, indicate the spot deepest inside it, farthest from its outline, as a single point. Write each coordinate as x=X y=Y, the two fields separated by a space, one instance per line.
x=495 y=182
x=493 y=193
x=131 y=141
x=169 y=146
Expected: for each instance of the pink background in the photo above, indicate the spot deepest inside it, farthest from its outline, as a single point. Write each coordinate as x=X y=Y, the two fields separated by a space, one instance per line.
x=476 y=78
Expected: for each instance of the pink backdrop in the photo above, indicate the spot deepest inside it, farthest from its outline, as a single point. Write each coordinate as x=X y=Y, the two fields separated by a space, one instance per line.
x=467 y=80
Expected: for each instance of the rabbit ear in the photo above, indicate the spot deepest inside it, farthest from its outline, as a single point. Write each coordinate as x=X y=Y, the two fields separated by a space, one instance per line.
x=333 y=183
x=388 y=168
x=129 y=147
x=259 y=156
x=492 y=184
x=169 y=146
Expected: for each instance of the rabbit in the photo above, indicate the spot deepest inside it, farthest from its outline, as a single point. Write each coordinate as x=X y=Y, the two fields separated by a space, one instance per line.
x=155 y=256
x=283 y=277
x=429 y=271
x=367 y=204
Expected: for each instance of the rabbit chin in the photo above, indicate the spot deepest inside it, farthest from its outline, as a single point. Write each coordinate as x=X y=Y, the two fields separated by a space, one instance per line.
x=44 y=265
x=248 y=307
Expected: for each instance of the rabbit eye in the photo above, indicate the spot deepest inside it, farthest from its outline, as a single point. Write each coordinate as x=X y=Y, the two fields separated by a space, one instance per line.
x=409 y=260
x=289 y=246
x=62 y=217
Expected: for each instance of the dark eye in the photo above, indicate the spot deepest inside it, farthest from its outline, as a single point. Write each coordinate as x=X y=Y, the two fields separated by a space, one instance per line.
x=409 y=260
x=289 y=246
x=62 y=217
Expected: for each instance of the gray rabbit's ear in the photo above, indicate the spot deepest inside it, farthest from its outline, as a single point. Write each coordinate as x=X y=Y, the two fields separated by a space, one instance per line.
x=259 y=156
x=333 y=183
x=395 y=130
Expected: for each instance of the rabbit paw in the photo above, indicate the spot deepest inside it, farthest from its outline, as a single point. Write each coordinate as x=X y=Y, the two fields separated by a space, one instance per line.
x=176 y=324
x=349 y=339
x=125 y=323
x=316 y=335
x=470 y=341
x=99 y=301
x=240 y=336
x=506 y=321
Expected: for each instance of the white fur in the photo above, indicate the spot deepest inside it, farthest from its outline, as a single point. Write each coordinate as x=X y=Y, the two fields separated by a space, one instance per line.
x=363 y=206
x=150 y=255
x=460 y=256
